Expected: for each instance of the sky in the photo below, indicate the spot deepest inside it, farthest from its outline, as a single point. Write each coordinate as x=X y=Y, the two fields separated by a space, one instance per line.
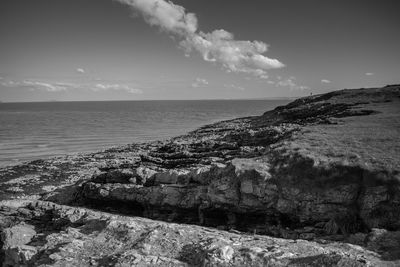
x=81 y=50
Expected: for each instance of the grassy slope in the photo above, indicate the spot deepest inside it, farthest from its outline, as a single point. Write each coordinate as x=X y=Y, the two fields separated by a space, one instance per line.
x=372 y=141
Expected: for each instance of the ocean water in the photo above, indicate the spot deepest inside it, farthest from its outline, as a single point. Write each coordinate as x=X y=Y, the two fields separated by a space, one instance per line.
x=30 y=131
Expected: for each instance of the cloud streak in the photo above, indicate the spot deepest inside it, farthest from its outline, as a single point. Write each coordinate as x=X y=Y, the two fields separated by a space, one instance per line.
x=233 y=86
x=35 y=85
x=199 y=82
x=291 y=83
x=61 y=86
x=325 y=81
x=116 y=87
x=217 y=46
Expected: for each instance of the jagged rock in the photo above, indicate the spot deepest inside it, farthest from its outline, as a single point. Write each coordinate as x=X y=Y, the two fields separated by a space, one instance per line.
x=144 y=174
x=115 y=176
x=68 y=236
x=385 y=242
x=17 y=235
x=14 y=248
x=19 y=255
x=171 y=177
x=323 y=167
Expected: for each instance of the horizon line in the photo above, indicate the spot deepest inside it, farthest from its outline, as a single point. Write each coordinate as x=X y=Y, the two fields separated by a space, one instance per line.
x=122 y=100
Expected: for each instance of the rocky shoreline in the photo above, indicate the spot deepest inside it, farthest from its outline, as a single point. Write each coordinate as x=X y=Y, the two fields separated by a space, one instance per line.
x=323 y=168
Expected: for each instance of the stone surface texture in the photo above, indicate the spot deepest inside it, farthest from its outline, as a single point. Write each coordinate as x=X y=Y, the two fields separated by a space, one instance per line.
x=323 y=168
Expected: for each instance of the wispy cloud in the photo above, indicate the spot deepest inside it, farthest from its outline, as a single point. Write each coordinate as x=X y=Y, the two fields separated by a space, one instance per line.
x=369 y=73
x=233 y=86
x=199 y=82
x=80 y=70
x=35 y=85
x=50 y=86
x=325 y=81
x=217 y=46
x=56 y=87
x=291 y=83
x=235 y=56
x=117 y=87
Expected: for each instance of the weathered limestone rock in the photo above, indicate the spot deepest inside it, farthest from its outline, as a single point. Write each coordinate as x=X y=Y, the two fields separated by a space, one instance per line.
x=17 y=235
x=320 y=168
x=14 y=248
x=68 y=236
x=116 y=176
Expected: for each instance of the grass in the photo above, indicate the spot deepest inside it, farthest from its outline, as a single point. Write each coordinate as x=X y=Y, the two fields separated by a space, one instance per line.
x=371 y=141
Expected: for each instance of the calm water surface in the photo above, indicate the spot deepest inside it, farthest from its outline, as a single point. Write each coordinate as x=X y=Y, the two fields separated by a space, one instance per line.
x=31 y=131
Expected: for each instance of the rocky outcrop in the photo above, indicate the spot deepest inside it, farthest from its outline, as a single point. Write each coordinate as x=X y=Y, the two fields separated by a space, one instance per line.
x=258 y=195
x=321 y=168
x=65 y=236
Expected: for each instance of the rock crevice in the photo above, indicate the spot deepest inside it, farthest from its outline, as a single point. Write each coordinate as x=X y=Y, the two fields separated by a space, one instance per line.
x=306 y=170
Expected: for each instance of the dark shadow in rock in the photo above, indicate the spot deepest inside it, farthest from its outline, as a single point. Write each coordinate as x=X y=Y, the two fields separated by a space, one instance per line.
x=114 y=206
x=108 y=261
x=43 y=256
x=49 y=222
x=64 y=196
x=192 y=254
x=345 y=224
x=387 y=244
x=94 y=225
x=214 y=217
x=317 y=261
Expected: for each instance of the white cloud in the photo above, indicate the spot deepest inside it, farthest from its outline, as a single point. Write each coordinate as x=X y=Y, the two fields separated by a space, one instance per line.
x=46 y=86
x=61 y=86
x=235 y=56
x=290 y=82
x=167 y=16
x=325 y=81
x=116 y=87
x=232 y=86
x=36 y=85
x=199 y=82
x=80 y=70
x=217 y=46
x=369 y=73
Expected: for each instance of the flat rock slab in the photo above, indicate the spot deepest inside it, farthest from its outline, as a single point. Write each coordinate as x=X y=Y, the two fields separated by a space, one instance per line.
x=70 y=236
x=324 y=167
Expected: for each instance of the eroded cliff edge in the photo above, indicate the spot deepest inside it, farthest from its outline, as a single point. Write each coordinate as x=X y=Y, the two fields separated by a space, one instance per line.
x=324 y=167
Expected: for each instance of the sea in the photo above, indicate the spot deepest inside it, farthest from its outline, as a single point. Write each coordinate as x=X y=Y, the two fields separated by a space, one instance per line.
x=39 y=130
